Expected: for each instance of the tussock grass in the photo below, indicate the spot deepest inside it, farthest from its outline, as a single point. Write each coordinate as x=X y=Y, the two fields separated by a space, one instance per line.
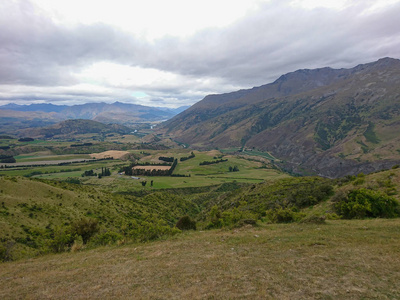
x=339 y=260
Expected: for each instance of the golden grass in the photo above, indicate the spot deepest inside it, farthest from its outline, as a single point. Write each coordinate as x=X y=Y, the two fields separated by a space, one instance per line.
x=111 y=153
x=340 y=260
x=152 y=167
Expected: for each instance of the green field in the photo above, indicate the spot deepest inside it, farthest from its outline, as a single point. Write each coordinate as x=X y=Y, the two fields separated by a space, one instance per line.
x=250 y=171
x=39 y=157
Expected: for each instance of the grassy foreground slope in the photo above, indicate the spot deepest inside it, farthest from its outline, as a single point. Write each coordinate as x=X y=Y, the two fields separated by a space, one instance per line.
x=357 y=259
x=35 y=215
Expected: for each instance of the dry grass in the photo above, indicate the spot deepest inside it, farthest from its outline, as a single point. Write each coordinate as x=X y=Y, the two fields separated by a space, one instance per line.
x=152 y=167
x=111 y=153
x=340 y=260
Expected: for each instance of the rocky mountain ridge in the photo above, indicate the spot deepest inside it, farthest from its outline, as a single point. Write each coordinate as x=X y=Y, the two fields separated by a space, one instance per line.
x=330 y=122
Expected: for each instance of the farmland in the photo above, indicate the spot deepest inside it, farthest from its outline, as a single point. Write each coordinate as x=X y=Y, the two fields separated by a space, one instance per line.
x=47 y=161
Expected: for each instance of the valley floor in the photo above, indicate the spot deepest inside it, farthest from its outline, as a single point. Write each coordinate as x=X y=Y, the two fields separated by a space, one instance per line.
x=357 y=259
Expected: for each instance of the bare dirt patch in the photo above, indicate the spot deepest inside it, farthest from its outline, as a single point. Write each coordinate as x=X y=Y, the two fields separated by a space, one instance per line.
x=111 y=153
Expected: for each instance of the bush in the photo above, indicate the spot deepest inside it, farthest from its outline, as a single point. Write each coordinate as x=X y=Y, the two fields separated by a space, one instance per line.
x=186 y=223
x=85 y=228
x=6 y=250
x=62 y=240
x=215 y=218
x=283 y=215
x=364 y=203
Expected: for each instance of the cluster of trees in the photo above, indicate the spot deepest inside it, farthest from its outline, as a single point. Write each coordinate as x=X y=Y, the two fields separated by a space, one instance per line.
x=166 y=159
x=82 y=145
x=26 y=139
x=6 y=137
x=203 y=163
x=154 y=172
x=145 y=182
x=104 y=172
x=187 y=157
x=89 y=173
x=233 y=169
x=7 y=159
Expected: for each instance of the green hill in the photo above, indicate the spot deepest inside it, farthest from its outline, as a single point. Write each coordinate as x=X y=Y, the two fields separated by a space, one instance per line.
x=305 y=237
x=41 y=216
x=34 y=215
x=330 y=122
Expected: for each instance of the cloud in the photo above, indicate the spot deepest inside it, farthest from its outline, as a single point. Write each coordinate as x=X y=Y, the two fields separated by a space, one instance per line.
x=45 y=60
x=281 y=38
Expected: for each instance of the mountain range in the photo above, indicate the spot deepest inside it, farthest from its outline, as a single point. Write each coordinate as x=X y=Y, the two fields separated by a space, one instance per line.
x=330 y=122
x=14 y=116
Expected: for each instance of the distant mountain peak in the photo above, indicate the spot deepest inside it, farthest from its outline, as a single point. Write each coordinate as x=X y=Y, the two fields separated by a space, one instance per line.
x=117 y=112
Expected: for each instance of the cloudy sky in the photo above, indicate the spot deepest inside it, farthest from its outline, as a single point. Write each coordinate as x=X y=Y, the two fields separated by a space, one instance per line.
x=173 y=53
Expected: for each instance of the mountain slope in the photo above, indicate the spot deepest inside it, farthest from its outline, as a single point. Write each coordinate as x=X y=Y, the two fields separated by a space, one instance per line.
x=326 y=121
x=14 y=116
x=73 y=127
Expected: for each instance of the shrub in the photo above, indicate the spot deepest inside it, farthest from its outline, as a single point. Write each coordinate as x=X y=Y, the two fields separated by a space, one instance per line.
x=85 y=228
x=6 y=250
x=215 y=218
x=362 y=203
x=283 y=215
x=62 y=240
x=186 y=223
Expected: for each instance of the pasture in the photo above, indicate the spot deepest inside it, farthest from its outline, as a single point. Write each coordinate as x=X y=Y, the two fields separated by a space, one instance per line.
x=66 y=166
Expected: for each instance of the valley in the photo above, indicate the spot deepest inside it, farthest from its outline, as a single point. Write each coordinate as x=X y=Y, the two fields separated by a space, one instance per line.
x=289 y=190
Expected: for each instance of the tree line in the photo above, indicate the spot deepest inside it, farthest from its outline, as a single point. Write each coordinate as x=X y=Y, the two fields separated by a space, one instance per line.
x=187 y=157
x=129 y=170
x=166 y=159
x=204 y=163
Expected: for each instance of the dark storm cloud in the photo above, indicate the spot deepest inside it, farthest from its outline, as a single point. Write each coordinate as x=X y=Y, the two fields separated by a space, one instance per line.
x=278 y=38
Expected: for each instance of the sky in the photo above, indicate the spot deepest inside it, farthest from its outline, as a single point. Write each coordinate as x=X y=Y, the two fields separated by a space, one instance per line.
x=173 y=53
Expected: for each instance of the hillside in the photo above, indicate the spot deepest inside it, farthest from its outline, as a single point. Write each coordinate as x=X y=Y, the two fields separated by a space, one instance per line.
x=35 y=215
x=340 y=240
x=69 y=128
x=330 y=122
x=13 y=116
x=340 y=260
x=38 y=216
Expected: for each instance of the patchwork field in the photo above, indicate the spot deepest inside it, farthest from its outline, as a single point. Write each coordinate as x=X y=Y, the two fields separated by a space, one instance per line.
x=251 y=169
